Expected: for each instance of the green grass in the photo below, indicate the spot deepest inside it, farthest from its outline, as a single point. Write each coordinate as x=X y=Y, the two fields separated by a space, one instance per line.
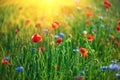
x=41 y=65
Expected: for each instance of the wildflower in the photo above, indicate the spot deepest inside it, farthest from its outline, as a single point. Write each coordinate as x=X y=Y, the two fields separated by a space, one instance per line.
x=36 y=38
x=118 y=28
x=42 y=49
x=55 y=25
x=59 y=40
x=85 y=32
x=104 y=68
x=90 y=38
x=107 y=4
x=78 y=78
x=100 y=17
x=19 y=69
x=89 y=14
x=38 y=25
x=56 y=36
x=84 y=52
x=33 y=49
x=114 y=66
x=82 y=72
x=75 y=50
x=4 y=61
x=116 y=43
x=17 y=30
x=112 y=37
x=117 y=75
x=118 y=22
x=7 y=58
x=27 y=22
x=46 y=31
x=88 y=22
x=62 y=35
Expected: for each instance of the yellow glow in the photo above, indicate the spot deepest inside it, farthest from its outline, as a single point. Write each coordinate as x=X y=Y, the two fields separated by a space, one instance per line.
x=48 y=10
x=49 y=1
x=45 y=10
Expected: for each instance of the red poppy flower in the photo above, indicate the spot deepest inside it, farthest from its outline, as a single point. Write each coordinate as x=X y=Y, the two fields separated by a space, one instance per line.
x=55 y=25
x=89 y=14
x=59 y=40
x=4 y=61
x=116 y=43
x=27 y=22
x=78 y=78
x=90 y=38
x=16 y=31
x=118 y=22
x=42 y=49
x=36 y=38
x=84 y=52
x=118 y=28
x=88 y=22
x=38 y=25
x=107 y=4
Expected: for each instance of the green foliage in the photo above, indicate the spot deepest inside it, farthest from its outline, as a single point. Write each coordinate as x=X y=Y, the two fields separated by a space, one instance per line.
x=42 y=65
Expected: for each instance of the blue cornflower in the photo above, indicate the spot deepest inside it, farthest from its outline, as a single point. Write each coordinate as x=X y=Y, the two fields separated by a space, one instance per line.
x=56 y=36
x=82 y=72
x=19 y=69
x=7 y=58
x=62 y=35
x=75 y=50
x=117 y=75
x=46 y=31
x=104 y=68
x=114 y=66
x=33 y=49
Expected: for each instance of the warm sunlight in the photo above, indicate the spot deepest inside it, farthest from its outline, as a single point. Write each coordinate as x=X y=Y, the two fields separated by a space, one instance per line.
x=46 y=10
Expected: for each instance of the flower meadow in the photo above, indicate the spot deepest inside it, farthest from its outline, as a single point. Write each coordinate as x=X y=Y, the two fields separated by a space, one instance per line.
x=72 y=40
